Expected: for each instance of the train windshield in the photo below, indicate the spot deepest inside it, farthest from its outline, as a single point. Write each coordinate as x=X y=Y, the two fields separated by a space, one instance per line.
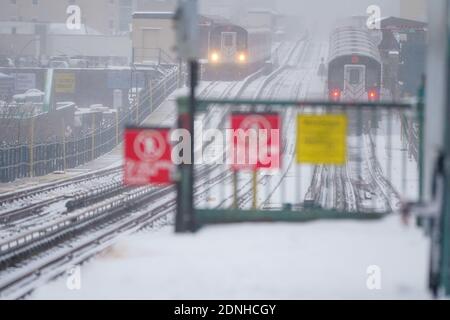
x=228 y=39
x=354 y=76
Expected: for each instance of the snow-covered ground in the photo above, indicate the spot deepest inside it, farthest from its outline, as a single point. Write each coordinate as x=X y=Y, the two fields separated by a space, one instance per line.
x=320 y=260
x=328 y=260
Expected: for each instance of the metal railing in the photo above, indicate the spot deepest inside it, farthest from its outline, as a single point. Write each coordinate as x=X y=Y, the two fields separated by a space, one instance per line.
x=153 y=55
x=43 y=158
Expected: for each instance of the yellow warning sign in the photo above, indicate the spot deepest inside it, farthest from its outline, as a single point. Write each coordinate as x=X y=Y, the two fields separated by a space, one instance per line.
x=64 y=82
x=322 y=139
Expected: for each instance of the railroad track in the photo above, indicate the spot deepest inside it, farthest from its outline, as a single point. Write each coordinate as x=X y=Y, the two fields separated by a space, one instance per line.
x=30 y=192
x=26 y=246
x=71 y=202
x=121 y=214
x=11 y=211
x=72 y=199
x=272 y=87
x=44 y=237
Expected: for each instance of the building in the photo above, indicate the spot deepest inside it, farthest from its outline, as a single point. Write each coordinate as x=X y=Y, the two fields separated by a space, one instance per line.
x=153 y=37
x=259 y=18
x=101 y=15
x=234 y=10
x=155 y=5
x=128 y=7
x=109 y=17
x=40 y=41
x=39 y=28
x=413 y=9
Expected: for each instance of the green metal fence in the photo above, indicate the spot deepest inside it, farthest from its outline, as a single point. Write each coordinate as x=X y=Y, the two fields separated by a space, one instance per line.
x=380 y=172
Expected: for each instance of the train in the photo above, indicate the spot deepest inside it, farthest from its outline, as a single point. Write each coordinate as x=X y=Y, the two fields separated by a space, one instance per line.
x=233 y=51
x=354 y=65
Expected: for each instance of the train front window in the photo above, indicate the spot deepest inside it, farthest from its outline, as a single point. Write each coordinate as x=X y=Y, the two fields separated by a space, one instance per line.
x=227 y=39
x=354 y=76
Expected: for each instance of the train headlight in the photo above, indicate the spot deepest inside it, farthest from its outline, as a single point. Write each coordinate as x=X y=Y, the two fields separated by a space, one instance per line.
x=242 y=58
x=215 y=57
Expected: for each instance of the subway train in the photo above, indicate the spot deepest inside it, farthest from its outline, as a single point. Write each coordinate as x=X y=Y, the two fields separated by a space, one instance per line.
x=354 y=65
x=235 y=52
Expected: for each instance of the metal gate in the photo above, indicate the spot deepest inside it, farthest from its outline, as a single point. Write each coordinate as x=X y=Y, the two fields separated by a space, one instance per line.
x=375 y=171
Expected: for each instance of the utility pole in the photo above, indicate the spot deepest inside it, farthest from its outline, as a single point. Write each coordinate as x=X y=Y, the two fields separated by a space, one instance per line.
x=445 y=167
x=186 y=21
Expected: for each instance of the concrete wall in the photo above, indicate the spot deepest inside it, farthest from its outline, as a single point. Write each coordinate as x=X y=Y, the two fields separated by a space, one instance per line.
x=150 y=35
x=97 y=14
x=93 y=46
x=155 y=5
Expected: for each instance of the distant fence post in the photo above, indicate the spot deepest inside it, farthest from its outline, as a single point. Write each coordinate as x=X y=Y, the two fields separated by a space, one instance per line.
x=32 y=147
x=138 y=101
x=64 y=143
x=150 y=92
x=117 y=127
x=93 y=137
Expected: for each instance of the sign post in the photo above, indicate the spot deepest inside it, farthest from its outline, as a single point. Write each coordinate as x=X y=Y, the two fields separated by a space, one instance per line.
x=255 y=146
x=186 y=24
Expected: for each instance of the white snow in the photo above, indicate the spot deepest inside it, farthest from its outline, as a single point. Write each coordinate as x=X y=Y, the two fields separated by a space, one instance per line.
x=320 y=260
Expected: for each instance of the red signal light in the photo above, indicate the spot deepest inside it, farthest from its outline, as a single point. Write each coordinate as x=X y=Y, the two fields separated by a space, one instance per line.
x=335 y=94
x=373 y=95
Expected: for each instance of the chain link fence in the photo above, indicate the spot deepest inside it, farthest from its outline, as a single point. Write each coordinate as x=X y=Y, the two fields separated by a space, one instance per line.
x=22 y=161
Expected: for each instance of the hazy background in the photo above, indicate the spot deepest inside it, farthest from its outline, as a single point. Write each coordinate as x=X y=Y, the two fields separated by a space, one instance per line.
x=320 y=15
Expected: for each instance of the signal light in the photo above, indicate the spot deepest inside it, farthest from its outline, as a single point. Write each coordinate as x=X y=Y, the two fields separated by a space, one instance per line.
x=335 y=94
x=242 y=57
x=373 y=95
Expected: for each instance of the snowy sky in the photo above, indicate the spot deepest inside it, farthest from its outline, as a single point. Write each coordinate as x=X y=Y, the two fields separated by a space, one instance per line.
x=320 y=15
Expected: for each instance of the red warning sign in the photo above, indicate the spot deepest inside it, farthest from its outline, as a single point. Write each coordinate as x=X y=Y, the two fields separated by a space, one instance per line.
x=256 y=141
x=147 y=156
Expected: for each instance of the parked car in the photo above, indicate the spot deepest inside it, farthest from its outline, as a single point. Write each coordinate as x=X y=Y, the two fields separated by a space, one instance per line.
x=31 y=95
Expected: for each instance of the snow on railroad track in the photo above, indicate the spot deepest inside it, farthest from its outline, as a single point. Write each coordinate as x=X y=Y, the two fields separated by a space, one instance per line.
x=39 y=206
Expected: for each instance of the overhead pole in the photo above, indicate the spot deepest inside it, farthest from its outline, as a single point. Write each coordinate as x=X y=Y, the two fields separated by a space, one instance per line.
x=445 y=215
x=48 y=97
x=186 y=22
